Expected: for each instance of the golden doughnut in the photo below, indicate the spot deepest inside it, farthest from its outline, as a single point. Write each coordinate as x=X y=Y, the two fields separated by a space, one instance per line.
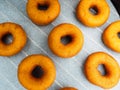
x=18 y=42
x=65 y=50
x=36 y=72
x=87 y=17
x=68 y=88
x=111 y=78
x=43 y=12
x=111 y=36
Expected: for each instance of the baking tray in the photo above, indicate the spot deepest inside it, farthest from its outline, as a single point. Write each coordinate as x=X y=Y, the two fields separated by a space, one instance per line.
x=69 y=71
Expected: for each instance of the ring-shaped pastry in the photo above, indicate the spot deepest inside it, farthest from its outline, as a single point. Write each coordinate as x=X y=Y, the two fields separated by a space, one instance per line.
x=43 y=12
x=112 y=70
x=36 y=72
x=18 y=40
x=62 y=31
x=93 y=13
x=111 y=36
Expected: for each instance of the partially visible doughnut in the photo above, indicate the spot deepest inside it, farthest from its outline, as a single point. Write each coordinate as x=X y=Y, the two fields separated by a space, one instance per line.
x=111 y=36
x=93 y=19
x=68 y=88
x=18 y=42
x=43 y=12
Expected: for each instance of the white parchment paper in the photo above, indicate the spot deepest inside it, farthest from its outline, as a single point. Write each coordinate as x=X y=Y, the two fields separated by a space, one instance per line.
x=69 y=71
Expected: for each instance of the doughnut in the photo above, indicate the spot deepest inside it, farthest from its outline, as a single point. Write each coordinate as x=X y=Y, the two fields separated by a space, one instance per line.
x=111 y=36
x=69 y=49
x=68 y=88
x=36 y=72
x=43 y=12
x=17 y=43
x=112 y=71
x=93 y=13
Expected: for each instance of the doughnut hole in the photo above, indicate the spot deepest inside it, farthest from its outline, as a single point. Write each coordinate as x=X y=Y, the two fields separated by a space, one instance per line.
x=7 y=38
x=42 y=6
x=101 y=68
x=118 y=34
x=93 y=10
x=66 y=39
x=37 y=72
